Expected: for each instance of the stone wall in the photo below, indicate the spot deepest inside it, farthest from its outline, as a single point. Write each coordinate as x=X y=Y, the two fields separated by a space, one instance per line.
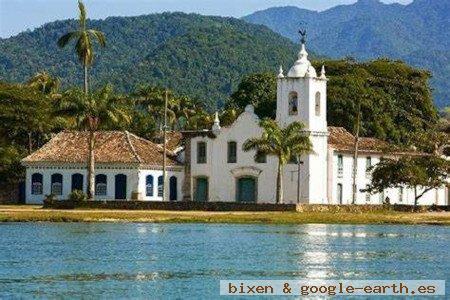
x=233 y=206
x=179 y=205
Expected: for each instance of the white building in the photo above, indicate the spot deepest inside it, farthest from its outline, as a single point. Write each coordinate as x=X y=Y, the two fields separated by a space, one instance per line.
x=210 y=165
x=124 y=164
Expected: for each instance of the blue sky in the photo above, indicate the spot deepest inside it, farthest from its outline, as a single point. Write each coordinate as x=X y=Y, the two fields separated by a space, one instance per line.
x=20 y=15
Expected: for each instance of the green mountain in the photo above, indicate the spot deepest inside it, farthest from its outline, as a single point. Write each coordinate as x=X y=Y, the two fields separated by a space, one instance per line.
x=200 y=56
x=417 y=33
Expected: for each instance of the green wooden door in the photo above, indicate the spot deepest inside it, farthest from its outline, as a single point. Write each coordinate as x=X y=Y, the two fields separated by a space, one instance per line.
x=201 y=190
x=246 y=190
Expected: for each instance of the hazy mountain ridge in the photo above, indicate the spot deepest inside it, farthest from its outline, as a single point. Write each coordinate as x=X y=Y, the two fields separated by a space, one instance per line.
x=201 y=56
x=417 y=33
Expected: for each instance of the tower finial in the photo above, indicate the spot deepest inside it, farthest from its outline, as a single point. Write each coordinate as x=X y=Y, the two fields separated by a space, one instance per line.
x=216 y=125
x=322 y=73
x=280 y=73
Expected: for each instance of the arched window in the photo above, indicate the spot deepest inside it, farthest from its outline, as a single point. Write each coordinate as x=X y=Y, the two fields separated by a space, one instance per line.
x=57 y=183
x=36 y=184
x=149 y=186
x=293 y=103
x=160 y=186
x=77 y=182
x=173 y=195
x=101 y=185
x=317 y=104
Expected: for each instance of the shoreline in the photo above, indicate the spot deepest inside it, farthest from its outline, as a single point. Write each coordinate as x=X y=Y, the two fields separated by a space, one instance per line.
x=28 y=213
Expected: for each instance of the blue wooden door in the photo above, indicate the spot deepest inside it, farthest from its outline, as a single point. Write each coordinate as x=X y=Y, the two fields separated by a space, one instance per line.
x=246 y=190
x=77 y=182
x=121 y=186
x=173 y=195
x=201 y=190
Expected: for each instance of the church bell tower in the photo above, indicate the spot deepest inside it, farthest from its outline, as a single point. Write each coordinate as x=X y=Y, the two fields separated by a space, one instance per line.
x=302 y=97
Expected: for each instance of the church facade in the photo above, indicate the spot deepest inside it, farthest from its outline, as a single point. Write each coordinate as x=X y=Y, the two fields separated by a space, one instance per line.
x=210 y=165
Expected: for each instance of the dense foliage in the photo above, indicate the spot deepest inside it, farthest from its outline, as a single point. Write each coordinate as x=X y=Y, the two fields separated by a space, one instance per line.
x=416 y=33
x=395 y=98
x=259 y=90
x=420 y=173
x=199 y=56
x=26 y=122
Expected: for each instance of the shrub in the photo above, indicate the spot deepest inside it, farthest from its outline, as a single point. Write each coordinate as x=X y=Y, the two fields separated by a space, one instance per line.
x=49 y=199
x=77 y=196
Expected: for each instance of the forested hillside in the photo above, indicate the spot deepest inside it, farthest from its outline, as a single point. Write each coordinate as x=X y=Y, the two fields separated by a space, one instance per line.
x=203 y=57
x=417 y=33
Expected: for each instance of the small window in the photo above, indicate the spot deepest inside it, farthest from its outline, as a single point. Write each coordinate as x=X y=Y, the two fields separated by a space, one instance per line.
x=293 y=103
x=260 y=157
x=57 y=184
x=101 y=185
x=232 y=152
x=340 y=165
x=36 y=184
x=368 y=164
x=201 y=153
x=317 y=107
x=367 y=194
x=339 y=193
x=160 y=186
x=401 y=192
x=149 y=186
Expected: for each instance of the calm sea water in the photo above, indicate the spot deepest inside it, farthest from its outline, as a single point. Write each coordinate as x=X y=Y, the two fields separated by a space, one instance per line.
x=54 y=260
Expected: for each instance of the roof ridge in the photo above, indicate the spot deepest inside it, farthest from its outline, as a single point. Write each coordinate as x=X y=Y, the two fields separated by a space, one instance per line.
x=127 y=135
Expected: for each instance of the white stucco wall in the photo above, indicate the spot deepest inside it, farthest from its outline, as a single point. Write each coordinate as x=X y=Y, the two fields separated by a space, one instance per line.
x=135 y=180
x=222 y=175
x=143 y=173
x=306 y=89
x=435 y=196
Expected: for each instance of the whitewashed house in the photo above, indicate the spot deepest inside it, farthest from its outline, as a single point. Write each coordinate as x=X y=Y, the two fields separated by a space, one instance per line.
x=210 y=165
x=124 y=163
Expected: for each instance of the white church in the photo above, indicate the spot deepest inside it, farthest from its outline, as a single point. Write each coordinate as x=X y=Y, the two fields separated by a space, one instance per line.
x=210 y=165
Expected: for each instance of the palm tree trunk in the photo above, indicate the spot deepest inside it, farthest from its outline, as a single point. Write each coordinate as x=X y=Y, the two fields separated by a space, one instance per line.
x=415 y=197
x=91 y=162
x=355 y=154
x=279 y=183
x=86 y=80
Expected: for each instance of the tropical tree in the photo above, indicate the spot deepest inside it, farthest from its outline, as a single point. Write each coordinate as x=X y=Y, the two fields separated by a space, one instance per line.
x=98 y=110
x=420 y=173
x=83 y=46
x=44 y=82
x=284 y=143
x=259 y=90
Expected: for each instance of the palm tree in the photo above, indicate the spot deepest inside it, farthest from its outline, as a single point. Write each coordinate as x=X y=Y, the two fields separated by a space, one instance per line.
x=83 y=46
x=91 y=112
x=284 y=143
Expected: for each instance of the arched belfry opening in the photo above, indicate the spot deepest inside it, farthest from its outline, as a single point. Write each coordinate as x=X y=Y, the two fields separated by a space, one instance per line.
x=293 y=103
x=317 y=104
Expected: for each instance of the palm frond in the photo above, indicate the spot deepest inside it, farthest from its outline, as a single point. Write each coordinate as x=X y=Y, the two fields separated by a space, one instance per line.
x=84 y=49
x=65 y=39
x=82 y=18
x=100 y=36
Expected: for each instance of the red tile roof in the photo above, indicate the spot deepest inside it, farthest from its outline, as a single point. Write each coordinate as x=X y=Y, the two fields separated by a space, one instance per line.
x=110 y=147
x=174 y=139
x=342 y=140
